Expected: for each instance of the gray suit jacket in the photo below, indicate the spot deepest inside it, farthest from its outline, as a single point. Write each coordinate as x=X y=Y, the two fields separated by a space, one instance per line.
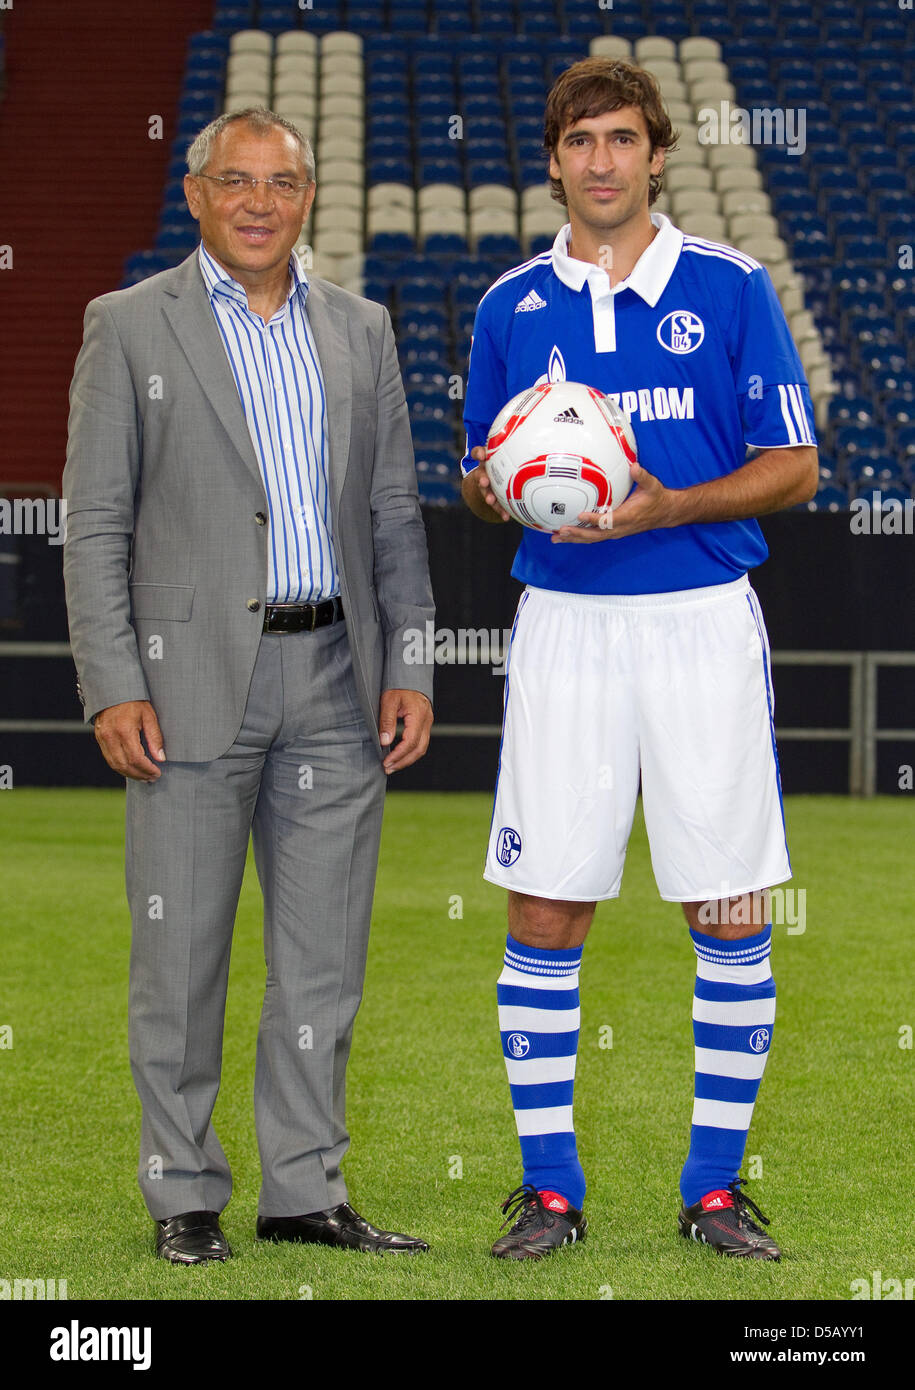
x=163 y=492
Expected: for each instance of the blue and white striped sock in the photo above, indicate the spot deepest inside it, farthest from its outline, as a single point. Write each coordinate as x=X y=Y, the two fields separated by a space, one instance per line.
x=733 y=1017
x=539 y=1018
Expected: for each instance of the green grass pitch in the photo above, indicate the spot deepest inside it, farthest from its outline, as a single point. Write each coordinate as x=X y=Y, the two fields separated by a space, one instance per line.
x=433 y=1142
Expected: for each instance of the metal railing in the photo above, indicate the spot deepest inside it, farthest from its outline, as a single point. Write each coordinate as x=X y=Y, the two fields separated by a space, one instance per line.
x=862 y=732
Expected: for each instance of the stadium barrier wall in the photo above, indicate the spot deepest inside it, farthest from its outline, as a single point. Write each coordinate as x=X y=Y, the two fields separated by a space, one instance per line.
x=839 y=611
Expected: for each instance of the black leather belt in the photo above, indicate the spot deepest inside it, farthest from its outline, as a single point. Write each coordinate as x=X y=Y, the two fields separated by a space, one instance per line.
x=301 y=617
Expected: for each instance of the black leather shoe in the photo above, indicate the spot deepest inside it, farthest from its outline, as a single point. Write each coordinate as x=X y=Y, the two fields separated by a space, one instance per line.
x=191 y=1238
x=340 y=1226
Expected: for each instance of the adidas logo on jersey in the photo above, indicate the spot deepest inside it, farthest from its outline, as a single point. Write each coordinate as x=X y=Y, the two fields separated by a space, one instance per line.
x=529 y=303
x=568 y=417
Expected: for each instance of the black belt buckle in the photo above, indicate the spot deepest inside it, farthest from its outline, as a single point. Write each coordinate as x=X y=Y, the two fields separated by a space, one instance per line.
x=301 y=617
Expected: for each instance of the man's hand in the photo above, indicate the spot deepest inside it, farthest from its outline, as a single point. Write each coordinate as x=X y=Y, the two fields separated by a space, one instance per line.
x=117 y=732
x=416 y=712
x=650 y=504
x=476 y=490
x=775 y=479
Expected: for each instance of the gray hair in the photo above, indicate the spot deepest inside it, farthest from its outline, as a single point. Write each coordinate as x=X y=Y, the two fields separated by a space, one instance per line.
x=262 y=121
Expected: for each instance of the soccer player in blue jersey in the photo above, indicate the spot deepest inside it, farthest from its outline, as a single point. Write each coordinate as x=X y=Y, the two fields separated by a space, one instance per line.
x=639 y=652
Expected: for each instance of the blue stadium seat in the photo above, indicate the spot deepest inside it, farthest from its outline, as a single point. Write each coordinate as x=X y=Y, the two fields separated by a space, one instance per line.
x=861 y=250
x=871 y=328
x=905 y=444
x=828 y=498
x=391 y=243
x=438 y=492
x=429 y=431
x=880 y=495
x=876 y=468
x=391 y=171
x=500 y=246
x=446 y=245
x=420 y=294
x=899 y=413
x=893 y=381
x=441 y=171
x=429 y=403
x=843 y=200
x=797 y=200
x=488 y=171
x=859 y=438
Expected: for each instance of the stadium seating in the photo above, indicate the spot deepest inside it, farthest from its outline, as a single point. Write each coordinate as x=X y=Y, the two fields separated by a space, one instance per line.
x=426 y=120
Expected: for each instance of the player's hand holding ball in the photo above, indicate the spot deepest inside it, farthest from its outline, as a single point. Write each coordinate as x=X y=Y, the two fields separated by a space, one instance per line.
x=648 y=507
x=480 y=479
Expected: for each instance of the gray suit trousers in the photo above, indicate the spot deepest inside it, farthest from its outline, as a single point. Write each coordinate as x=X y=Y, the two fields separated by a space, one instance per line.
x=304 y=778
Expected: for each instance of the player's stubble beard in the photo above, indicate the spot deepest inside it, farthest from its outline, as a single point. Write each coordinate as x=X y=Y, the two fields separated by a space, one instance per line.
x=605 y=225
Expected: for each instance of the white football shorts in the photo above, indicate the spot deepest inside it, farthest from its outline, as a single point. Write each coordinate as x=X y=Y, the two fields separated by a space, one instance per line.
x=602 y=689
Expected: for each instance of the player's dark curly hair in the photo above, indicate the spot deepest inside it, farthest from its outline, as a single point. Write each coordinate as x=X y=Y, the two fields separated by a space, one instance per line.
x=597 y=85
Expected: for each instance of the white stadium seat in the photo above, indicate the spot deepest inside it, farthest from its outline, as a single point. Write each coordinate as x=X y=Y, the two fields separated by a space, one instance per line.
x=342 y=64
x=736 y=201
x=492 y=222
x=654 y=47
x=677 y=175
x=704 y=94
x=710 y=225
x=792 y=298
x=672 y=89
x=537 y=195
x=297 y=41
x=335 y=83
x=392 y=195
x=341 y=104
x=339 y=195
x=239 y=100
x=348 y=172
x=610 y=46
x=493 y=195
x=251 y=41
x=744 y=224
x=340 y=41
x=542 y=222
x=730 y=176
x=299 y=64
x=768 y=249
x=699 y=48
x=432 y=221
x=694 y=200
x=331 y=147
x=442 y=195
x=709 y=69
x=663 y=70
x=330 y=220
x=731 y=154
x=294 y=84
x=249 y=62
x=390 y=219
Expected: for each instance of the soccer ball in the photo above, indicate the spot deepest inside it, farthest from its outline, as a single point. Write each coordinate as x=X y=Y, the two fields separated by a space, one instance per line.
x=558 y=449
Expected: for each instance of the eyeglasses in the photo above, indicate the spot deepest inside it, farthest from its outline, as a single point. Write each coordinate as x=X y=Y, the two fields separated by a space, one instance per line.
x=233 y=184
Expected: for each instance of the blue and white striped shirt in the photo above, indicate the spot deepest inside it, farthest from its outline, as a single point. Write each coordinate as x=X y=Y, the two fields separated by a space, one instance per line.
x=281 y=388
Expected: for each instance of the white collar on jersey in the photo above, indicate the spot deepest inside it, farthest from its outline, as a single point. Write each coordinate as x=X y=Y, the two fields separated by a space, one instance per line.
x=648 y=277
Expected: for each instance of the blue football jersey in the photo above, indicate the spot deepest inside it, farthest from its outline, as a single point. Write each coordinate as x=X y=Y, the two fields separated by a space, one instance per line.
x=694 y=347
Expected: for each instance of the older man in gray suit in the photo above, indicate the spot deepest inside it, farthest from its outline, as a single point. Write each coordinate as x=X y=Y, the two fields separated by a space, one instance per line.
x=244 y=554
